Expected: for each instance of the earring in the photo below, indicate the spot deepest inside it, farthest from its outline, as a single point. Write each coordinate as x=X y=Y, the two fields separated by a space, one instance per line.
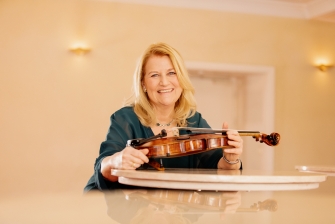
x=144 y=89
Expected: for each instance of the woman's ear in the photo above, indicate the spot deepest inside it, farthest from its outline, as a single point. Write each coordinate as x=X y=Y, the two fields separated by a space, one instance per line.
x=143 y=87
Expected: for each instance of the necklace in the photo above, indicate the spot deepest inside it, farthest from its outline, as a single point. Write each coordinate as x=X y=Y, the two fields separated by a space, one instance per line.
x=163 y=125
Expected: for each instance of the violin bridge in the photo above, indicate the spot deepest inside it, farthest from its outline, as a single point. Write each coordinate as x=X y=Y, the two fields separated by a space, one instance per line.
x=175 y=132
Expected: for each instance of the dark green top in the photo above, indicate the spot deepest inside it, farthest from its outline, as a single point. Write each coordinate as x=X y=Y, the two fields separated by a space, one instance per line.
x=124 y=126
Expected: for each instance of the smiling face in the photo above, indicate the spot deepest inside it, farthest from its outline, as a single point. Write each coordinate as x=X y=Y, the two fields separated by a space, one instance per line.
x=161 y=82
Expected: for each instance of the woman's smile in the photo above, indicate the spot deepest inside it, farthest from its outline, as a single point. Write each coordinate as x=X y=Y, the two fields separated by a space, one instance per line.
x=165 y=91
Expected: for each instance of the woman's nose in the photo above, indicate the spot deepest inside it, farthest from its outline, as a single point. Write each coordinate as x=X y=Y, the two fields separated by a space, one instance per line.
x=163 y=80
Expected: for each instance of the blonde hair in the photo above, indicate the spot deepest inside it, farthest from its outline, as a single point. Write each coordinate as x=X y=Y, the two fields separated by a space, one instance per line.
x=185 y=107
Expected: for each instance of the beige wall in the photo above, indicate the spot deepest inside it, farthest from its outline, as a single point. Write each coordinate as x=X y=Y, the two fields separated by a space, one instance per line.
x=55 y=106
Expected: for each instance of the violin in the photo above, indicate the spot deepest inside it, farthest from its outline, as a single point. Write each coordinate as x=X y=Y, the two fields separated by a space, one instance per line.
x=197 y=140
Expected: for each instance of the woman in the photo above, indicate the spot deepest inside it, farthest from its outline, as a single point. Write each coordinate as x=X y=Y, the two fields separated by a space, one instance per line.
x=163 y=99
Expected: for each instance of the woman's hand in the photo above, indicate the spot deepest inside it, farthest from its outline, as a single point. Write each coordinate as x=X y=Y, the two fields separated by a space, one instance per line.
x=128 y=159
x=231 y=154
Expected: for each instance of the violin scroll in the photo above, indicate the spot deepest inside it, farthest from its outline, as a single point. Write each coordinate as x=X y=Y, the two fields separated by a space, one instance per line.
x=271 y=139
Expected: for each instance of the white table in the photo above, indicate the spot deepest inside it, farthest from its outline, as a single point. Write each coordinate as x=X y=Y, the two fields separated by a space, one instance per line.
x=220 y=180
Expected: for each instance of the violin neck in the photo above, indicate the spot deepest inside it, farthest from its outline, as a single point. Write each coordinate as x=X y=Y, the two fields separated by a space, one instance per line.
x=218 y=131
x=247 y=133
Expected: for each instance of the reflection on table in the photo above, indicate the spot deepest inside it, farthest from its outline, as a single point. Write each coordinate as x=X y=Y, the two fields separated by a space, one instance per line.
x=177 y=206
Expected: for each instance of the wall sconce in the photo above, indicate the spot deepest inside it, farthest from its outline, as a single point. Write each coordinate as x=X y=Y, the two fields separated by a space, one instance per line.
x=80 y=49
x=323 y=67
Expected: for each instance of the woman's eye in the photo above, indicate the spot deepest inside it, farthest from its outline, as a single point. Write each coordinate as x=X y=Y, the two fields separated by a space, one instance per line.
x=154 y=75
x=172 y=73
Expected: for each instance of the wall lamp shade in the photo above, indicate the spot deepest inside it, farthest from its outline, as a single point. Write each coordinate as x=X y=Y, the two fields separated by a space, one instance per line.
x=80 y=50
x=323 y=67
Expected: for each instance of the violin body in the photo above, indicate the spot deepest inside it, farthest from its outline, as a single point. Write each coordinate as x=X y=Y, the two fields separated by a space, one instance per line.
x=184 y=145
x=161 y=146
